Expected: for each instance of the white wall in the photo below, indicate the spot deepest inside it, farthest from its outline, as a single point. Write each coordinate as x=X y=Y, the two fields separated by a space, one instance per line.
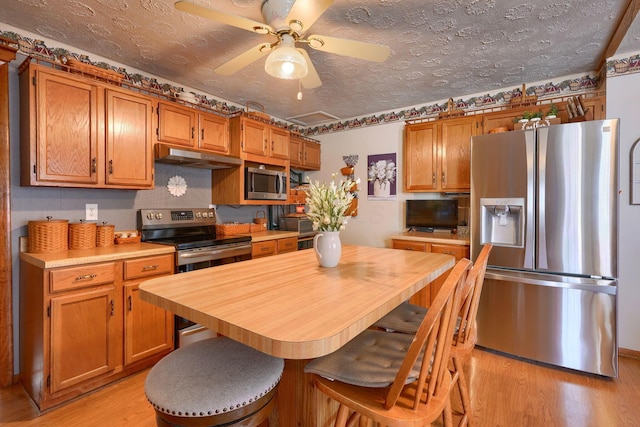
x=377 y=220
x=623 y=101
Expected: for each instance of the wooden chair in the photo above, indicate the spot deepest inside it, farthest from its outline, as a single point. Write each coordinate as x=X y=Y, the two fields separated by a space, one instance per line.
x=407 y=317
x=396 y=379
x=214 y=382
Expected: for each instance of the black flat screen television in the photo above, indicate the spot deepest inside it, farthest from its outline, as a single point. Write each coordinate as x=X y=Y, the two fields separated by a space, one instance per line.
x=428 y=215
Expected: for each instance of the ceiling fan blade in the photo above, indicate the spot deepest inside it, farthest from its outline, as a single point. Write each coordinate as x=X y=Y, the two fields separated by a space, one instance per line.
x=225 y=18
x=312 y=79
x=352 y=48
x=307 y=12
x=242 y=60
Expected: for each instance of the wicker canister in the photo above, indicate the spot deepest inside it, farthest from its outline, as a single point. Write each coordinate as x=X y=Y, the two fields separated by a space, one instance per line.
x=105 y=235
x=48 y=236
x=82 y=235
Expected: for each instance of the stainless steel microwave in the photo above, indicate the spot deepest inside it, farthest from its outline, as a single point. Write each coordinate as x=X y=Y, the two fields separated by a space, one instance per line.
x=264 y=184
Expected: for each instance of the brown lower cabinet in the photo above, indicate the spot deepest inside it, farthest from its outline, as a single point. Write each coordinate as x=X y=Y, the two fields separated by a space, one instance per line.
x=425 y=296
x=84 y=326
x=273 y=247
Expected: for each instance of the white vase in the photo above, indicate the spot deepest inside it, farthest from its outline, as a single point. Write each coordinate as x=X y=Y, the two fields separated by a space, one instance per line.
x=328 y=248
x=381 y=188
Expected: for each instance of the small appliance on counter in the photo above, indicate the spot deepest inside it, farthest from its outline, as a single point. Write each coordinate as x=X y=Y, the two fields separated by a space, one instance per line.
x=303 y=225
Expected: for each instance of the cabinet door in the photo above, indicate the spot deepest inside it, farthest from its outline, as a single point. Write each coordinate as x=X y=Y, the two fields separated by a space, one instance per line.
x=455 y=154
x=68 y=143
x=262 y=249
x=290 y=244
x=148 y=328
x=176 y=125
x=83 y=337
x=295 y=151
x=279 y=143
x=254 y=137
x=597 y=105
x=420 y=157
x=410 y=245
x=214 y=133
x=129 y=141
x=311 y=159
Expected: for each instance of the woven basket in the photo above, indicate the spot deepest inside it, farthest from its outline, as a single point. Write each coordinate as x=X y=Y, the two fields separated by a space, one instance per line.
x=231 y=229
x=261 y=217
x=104 y=235
x=48 y=236
x=82 y=235
x=254 y=228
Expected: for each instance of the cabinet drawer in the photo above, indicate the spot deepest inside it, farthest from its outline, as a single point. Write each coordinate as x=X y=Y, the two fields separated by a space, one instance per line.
x=456 y=250
x=81 y=277
x=289 y=244
x=148 y=266
x=410 y=245
x=260 y=249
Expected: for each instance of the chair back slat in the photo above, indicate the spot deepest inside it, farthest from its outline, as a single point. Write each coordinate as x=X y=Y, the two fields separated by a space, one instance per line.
x=433 y=340
x=467 y=329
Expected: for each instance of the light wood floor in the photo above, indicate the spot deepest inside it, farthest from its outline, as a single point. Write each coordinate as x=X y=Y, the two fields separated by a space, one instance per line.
x=505 y=392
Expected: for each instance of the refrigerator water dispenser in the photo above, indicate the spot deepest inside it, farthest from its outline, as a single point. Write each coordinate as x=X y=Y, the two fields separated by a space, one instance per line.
x=502 y=221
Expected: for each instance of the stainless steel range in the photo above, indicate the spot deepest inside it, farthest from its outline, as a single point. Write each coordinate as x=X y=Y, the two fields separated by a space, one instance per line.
x=192 y=232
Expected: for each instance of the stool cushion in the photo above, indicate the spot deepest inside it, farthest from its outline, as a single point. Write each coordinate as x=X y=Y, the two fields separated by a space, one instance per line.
x=210 y=377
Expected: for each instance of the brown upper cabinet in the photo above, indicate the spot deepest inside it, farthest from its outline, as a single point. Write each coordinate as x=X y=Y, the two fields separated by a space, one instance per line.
x=595 y=106
x=304 y=154
x=78 y=132
x=187 y=127
x=437 y=155
x=257 y=141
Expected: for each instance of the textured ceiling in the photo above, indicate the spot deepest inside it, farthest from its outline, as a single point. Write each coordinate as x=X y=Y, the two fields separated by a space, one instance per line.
x=440 y=48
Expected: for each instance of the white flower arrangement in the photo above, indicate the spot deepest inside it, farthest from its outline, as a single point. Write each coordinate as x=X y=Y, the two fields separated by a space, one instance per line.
x=382 y=171
x=327 y=204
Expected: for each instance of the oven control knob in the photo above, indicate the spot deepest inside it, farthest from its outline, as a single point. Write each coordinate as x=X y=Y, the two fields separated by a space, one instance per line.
x=211 y=215
x=198 y=215
x=158 y=215
x=150 y=215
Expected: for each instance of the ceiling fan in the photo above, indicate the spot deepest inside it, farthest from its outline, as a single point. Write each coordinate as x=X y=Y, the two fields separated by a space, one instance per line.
x=286 y=61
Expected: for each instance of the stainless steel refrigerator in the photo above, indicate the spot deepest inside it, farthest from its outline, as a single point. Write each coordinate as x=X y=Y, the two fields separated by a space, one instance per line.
x=547 y=199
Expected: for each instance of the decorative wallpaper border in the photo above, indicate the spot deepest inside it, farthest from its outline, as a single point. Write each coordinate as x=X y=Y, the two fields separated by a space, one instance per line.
x=623 y=66
x=586 y=83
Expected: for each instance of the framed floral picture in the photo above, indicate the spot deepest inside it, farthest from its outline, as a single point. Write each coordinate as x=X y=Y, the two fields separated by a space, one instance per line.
x=381 y=176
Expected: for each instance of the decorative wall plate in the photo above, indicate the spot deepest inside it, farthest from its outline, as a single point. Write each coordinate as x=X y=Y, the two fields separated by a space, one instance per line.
x=177 y=186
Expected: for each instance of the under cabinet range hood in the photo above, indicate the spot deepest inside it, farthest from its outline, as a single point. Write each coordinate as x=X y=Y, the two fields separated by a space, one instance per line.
x=192 y=158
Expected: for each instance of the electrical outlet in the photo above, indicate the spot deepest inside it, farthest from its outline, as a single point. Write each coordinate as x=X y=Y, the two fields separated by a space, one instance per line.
x=91 y=212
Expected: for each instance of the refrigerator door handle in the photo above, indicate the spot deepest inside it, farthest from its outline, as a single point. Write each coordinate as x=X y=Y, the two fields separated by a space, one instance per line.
x=541 y=258
x=584 y=284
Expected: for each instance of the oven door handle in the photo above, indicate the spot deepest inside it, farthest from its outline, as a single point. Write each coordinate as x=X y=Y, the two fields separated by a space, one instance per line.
x=200 y=254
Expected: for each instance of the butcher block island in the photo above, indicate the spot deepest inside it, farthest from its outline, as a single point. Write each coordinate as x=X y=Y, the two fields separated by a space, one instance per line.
x=82 y=322
x=290 y=307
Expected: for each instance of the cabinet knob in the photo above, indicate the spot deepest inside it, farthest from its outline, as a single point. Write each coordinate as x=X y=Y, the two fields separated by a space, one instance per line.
x=94 y=165
x=111 y=166
x=202 y=134
x=193 y=132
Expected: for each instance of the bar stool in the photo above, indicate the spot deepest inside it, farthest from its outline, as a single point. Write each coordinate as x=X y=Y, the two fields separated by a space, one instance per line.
x=214 y=382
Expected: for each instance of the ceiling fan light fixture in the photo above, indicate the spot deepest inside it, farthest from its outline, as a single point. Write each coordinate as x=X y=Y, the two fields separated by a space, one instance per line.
x=295 y=25
x=261 y=30
x=285 y=62
x=315 y=43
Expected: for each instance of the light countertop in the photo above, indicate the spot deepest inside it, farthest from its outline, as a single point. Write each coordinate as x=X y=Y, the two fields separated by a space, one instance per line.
x=435 y=237
x=87 y=256
x=262 y=236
